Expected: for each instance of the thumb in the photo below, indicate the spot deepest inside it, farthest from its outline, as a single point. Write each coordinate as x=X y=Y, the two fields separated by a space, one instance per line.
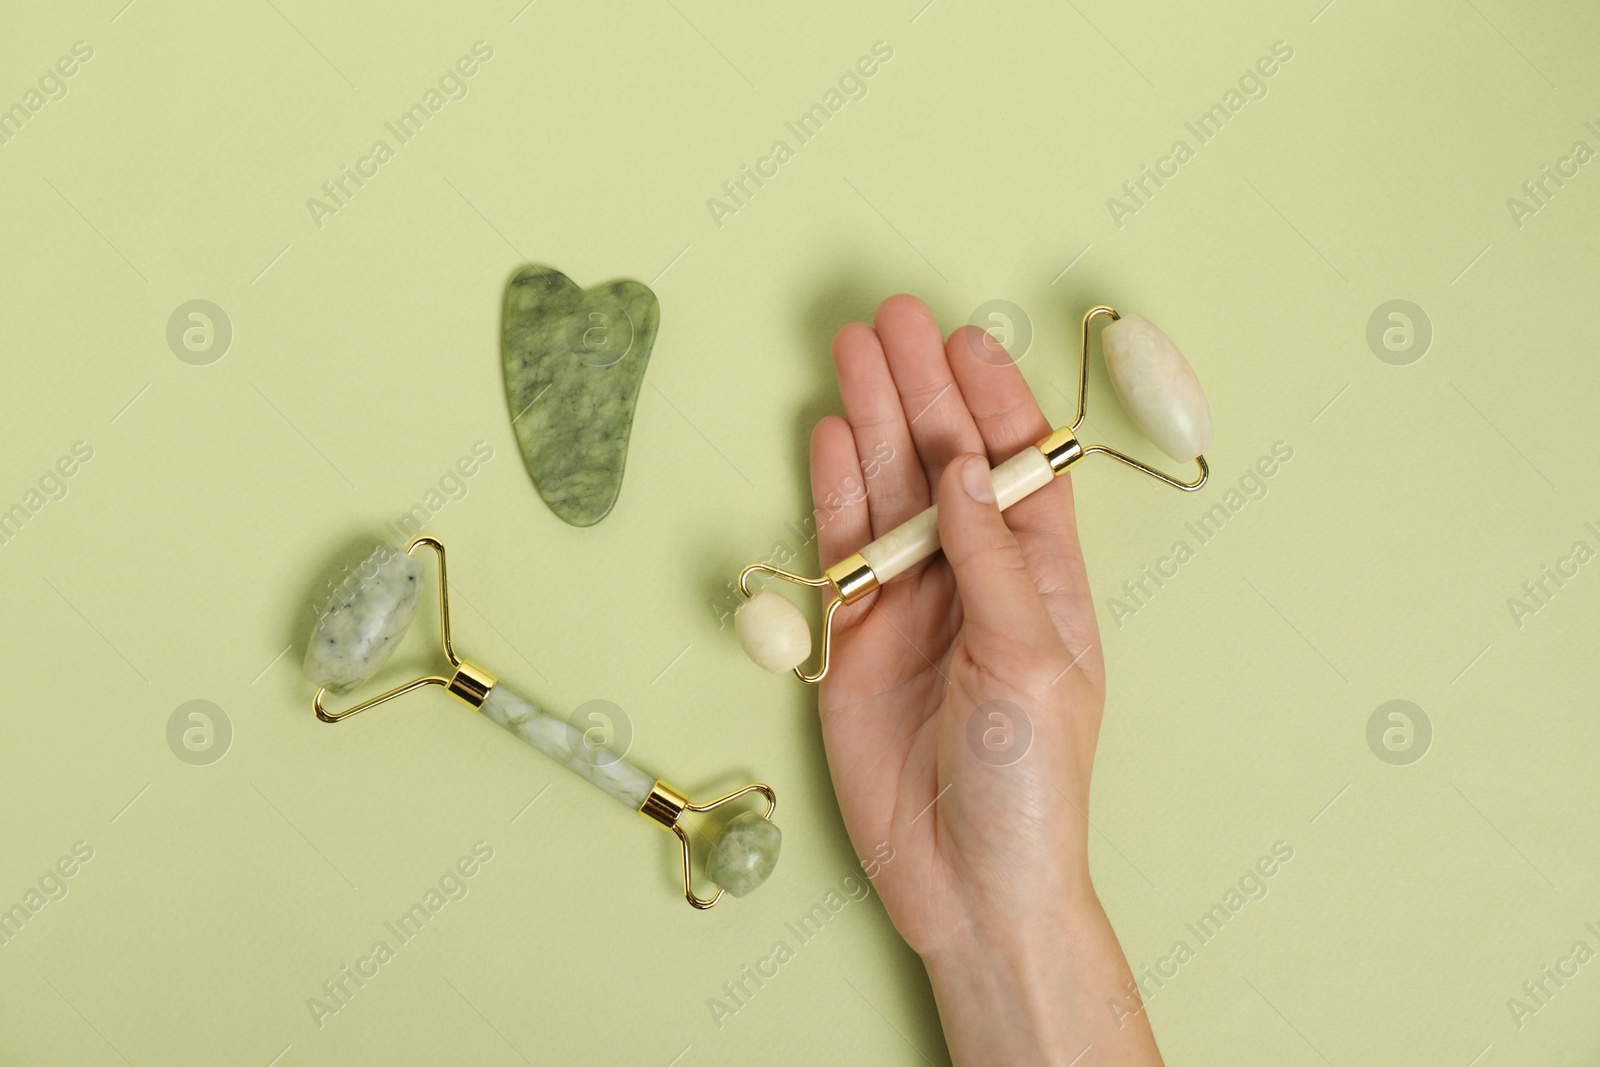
x=999 y=600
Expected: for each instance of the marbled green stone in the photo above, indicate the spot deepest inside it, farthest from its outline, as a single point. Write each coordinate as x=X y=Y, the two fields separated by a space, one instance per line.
x=574 y=360
x=744 y=853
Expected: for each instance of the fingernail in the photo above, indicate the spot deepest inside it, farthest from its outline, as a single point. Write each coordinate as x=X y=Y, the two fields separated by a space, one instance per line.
x=975 y=479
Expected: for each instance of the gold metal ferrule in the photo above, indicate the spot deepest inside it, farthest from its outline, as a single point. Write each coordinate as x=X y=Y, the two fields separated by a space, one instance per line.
x=852 y=577
x=664 y=804
x=471 y=683
x=1061 y=449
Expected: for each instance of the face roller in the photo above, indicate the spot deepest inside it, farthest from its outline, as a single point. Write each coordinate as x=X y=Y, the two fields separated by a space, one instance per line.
x=1162 y=396
x=364 y=621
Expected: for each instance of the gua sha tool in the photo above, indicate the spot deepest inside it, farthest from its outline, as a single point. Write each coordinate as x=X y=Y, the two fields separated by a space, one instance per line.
x=573 y=361
x=1162 y=396
x=363 y=623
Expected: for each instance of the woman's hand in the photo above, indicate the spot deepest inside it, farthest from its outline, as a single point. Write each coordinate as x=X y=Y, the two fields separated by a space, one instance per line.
x=963 y=701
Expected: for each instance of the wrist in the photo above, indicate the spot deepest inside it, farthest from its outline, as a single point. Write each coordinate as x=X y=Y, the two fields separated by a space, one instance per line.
x=1037 y=991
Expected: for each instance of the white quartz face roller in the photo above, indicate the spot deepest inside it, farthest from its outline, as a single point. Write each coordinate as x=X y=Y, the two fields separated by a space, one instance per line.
x=364 y=621
x=1162 y=396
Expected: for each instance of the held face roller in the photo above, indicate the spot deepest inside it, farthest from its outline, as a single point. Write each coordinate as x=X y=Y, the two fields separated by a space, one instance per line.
x=1163 y=398
x=364 y=621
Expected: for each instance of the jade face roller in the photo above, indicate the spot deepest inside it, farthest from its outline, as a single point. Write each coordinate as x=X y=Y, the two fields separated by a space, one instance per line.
x=364 y=621
x=1163 y=398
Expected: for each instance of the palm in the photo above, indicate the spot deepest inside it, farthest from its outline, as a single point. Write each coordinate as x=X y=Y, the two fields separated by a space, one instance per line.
x=909 y=671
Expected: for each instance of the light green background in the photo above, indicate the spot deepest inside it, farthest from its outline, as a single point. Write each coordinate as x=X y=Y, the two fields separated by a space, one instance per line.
x=978 y=166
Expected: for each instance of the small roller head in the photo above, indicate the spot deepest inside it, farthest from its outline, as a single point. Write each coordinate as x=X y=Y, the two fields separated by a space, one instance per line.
x=774 y=633
x=744 y=853
x=365 y=617
x=1157 y=387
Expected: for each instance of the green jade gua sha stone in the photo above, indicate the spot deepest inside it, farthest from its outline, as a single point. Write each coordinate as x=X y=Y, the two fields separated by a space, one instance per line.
x=573 y=361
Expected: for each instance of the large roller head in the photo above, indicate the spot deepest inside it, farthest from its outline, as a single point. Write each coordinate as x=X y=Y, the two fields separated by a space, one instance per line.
x=364 y=619
x=1157 y=387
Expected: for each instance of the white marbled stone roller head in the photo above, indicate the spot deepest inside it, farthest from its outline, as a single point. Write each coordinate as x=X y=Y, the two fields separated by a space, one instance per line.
x=1157 y=387
x=366 y=616
x=773 y=632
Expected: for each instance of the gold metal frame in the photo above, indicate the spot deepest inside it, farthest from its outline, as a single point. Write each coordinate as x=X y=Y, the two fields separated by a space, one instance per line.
x=665 y=805
x=852 y=578
x=469 y=682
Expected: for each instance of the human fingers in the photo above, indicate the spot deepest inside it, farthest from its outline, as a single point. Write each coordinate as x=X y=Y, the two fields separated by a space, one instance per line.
x=936 y=417
x=899 y=486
